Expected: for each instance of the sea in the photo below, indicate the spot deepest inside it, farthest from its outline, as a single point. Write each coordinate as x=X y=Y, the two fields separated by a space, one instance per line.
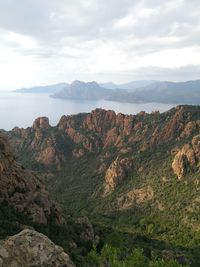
x=21 y=109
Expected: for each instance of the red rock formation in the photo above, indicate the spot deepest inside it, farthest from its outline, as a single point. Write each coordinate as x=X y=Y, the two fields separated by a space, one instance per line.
x=187 y=158
x=41 y=123
x=115 y=174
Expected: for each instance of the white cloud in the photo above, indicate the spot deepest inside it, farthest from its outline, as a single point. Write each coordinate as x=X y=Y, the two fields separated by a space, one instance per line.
x=52 y=41
x=172 y=58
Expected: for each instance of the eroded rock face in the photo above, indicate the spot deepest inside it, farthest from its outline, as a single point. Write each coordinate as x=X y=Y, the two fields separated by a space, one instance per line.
x=115 y=174
x=187 y=158
x=22 y=190
x=30 y=248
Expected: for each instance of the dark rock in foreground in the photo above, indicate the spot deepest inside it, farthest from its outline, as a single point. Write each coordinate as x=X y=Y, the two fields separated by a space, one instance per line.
x=30 y=248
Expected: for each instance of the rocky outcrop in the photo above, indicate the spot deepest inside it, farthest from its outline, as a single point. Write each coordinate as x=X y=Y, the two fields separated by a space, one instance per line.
x=187 y=158
x=41 y=123
x=30 y=248
x=115 y=174
x=100 y=121
x=111 y=127
x=134 y=197
x=40 y=143
x=23 y=191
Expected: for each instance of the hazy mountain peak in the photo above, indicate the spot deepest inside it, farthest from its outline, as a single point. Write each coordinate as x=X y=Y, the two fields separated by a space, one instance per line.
x=78 y=83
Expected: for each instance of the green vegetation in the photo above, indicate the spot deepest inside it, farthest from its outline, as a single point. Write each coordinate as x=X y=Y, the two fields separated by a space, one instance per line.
x=113 y=257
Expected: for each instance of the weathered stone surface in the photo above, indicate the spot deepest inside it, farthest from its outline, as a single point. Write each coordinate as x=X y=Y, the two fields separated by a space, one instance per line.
x=30 y=248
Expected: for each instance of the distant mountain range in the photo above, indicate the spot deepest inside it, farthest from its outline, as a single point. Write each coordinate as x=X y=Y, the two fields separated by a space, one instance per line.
x=93 y=91
x=137 y=91
x=82 y=90
x=171 y=92
x=129 y=86
x=48 y=89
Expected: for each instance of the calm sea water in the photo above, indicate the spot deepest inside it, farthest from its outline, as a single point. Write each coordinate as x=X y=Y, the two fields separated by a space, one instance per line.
x=17 y=109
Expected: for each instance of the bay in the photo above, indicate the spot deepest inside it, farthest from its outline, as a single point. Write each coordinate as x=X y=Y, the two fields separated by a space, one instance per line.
x=20 y=109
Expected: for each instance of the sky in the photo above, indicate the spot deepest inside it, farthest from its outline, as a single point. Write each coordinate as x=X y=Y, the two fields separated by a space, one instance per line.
x=50 y=41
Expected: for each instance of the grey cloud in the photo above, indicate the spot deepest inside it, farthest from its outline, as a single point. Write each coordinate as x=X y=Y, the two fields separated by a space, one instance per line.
x=50 y=21
x=35 y=18
x=58 y=25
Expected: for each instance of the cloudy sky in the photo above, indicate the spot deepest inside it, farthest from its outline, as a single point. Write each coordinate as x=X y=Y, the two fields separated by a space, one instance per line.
x=50 y=41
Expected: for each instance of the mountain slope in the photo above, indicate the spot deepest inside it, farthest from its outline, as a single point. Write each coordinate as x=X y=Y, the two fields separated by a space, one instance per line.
x=131 y=86
x=171 y=92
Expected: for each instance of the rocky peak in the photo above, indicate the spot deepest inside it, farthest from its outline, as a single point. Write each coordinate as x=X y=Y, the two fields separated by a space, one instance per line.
x=41 y=123
x=30 y=248
x=100 y=120
x=82 y=85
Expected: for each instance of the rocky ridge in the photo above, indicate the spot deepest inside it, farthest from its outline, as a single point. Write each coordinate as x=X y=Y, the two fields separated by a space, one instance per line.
x=116 y=140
